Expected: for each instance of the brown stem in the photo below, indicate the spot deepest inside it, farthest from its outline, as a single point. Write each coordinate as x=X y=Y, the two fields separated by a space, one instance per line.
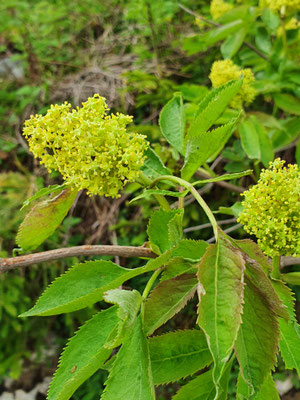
x=7 y=264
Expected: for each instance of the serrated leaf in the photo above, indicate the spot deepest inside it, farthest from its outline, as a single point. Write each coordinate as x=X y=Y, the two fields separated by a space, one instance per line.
x=203 y=387
x=175 y=267
x=165 y=229
x=43 y=192
x=261 y=281
x=220 y=274
x=176 y=355
x=225 y=177
x=172 y=122
x=289 y=343
x=82 y=285
x=200 y=147
x=212 y=106
x=84 y=354
x=253 y=251
x=190 y=250
x=129 y=302
x=130 y=377
x=257 y=341
x=166 y=299
x=43 y=219
x=153 y=165
x=267 y=391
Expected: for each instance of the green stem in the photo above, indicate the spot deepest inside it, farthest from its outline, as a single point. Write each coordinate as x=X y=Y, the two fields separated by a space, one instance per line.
x=147 y=289
x=285 y=48
x=145 y=181
x=276 y=267
x=197 y=196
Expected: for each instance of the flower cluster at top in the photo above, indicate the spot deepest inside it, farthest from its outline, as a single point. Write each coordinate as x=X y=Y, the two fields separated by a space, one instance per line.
x=276 y=5
x=219 y=8
x=224 y=71
x=271 y=210
x=91 y=149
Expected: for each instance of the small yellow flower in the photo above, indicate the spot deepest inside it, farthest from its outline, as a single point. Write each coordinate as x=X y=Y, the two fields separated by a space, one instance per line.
x=271 y=210
x=293 y=23
x=276 y=5
x=91 y=149
x=219 y=8
x=224 y=71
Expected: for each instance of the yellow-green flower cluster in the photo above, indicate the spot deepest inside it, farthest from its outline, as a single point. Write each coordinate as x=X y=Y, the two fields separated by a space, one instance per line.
x=272 y=212
x=219 y=8
x=276 y=5
x=92 y=150
x=224 y=71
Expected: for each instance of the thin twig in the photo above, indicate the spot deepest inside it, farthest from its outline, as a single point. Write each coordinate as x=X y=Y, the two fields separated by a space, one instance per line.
x=209 y=22
x=7 y=264
x=286 y=261
x=207 y=225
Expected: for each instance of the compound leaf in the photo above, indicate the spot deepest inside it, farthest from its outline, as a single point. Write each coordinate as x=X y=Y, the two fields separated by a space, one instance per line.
x=176 y=355
x=84 y=354
x=166 y=299
x=43 y=219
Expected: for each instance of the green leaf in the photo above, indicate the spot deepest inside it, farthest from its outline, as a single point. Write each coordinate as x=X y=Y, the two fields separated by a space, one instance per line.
x=220 y=276
x=262 y=40
x=194 y=44
x=130 y=377
x=43 y=192
x=129 y=302
x=165 y=229
x=84 y=354
x=254 y=252
x=261 y=281
x=293 y=278
x=172 y=122
x=203 y=145
x=225 y=177
x=153 y=165
x=257 y=341
x=82 y=285
x=150 y=192
x=177 y=355
x=175 y=267
x=212 y=106
x=166 y=299
x=255 y=141
x=235 y=210
x=190 y=250
x=203 y=387
x=233 y=43
x=287 y=102
x=289 y=343
x=267 y=391
x=200 y=144
x=43 y=219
